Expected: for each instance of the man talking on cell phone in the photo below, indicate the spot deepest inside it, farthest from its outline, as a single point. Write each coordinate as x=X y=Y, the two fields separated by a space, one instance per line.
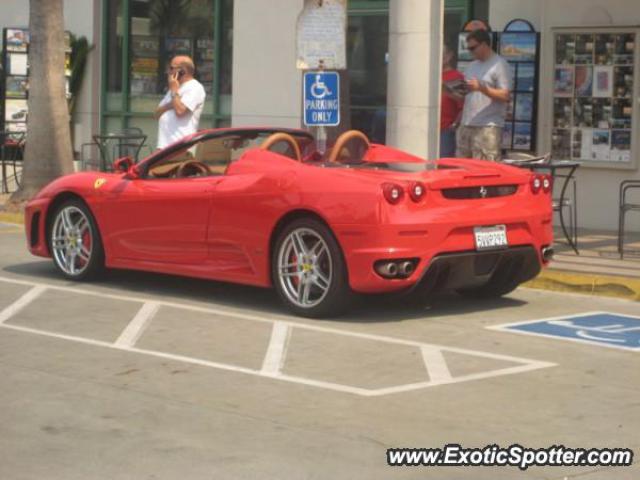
x=179 y=111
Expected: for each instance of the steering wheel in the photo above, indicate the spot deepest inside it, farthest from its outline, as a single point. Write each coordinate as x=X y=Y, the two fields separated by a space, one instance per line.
x=282 y=137
x=193 y=167
x=342 y=141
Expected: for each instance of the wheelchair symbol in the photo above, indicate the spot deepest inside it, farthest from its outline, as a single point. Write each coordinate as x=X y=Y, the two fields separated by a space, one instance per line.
x=601 y=333
x=319 y=89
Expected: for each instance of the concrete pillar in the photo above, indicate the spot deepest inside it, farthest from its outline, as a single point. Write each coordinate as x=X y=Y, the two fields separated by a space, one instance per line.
x=414 y=75
x=267 y=87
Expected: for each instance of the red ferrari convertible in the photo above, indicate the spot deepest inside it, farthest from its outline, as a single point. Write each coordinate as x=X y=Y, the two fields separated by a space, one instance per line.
x=261 y=206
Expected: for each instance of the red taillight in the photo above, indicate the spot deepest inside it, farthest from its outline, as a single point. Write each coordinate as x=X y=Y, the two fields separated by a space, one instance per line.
x=547 y=183
x=393 y=193
x=417 y=191
x=536 y=183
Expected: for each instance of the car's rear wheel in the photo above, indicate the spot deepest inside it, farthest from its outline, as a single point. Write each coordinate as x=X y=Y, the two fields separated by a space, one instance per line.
x=74 y=241
x=308 y=270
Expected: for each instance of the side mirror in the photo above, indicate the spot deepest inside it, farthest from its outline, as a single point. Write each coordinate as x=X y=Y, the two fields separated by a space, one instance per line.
x=123 y=164
x=132 y=173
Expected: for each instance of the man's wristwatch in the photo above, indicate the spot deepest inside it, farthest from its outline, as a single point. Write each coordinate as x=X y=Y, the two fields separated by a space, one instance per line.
x=175 y=94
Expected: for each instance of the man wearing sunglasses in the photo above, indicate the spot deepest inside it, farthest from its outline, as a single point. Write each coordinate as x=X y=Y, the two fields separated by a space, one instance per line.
x=179 y=111
x=485 y=106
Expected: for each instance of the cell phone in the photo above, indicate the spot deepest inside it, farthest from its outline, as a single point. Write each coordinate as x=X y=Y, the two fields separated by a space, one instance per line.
x=457 y=87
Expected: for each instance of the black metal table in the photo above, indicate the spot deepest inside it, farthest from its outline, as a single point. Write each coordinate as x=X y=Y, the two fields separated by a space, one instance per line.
x=553 y=167
x=113 y=145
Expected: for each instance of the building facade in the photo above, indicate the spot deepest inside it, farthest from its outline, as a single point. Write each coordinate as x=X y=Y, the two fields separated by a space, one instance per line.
x=245 y=54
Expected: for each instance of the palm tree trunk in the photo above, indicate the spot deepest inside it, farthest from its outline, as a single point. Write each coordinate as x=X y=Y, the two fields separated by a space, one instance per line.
x=48 y=152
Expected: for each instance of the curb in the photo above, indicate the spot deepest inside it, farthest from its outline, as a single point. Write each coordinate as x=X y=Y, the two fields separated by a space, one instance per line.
x=9 y=217
x=587 y=284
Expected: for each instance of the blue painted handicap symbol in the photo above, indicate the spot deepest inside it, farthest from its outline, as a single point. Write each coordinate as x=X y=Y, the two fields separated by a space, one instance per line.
x=321 y=99
x=600 y=328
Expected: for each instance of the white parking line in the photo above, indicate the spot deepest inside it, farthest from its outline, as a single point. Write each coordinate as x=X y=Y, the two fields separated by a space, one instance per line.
x=276 y=352
x=435 y=364
x=22 y=302
x=526 y=367
x=137 y=326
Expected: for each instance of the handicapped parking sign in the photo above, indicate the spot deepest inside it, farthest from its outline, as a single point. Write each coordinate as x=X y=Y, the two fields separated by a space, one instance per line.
x=321 y=99
x=596 y=328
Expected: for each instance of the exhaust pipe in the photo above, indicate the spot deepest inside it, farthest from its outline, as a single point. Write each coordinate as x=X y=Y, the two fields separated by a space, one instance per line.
x=387 y=269
x=406 y=269
x=547 y=254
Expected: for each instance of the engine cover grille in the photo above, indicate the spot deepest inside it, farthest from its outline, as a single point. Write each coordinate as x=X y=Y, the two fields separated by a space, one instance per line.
x=467 y=193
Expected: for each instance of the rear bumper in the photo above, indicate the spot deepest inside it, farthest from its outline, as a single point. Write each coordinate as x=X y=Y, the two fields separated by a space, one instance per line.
x=460 y=270
x=436 y=245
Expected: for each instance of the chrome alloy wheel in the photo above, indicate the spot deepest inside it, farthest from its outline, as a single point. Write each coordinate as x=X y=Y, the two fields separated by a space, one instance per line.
x=304 y=267
x=71 y=240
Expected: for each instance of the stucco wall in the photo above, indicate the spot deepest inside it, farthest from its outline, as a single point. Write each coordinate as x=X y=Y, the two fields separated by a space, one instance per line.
x=597 y=187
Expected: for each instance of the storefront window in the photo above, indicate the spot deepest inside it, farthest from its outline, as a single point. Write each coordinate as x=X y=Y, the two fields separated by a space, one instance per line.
x=367 y=46
x=142 y=45
x=113 y=48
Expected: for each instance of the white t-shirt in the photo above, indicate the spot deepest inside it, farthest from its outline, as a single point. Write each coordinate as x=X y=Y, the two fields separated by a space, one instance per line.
x=171 y=127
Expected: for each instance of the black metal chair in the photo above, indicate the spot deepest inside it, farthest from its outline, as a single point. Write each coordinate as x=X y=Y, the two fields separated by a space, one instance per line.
x=105 y=149
x=11 y=153
x=625 y=206
x=561 y=203
x=570 y=204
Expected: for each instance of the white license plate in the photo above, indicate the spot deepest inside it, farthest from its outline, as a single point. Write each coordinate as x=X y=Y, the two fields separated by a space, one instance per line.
x=490 y=238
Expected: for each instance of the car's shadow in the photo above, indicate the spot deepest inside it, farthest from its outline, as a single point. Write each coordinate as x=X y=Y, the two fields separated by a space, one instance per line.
x=365 y=309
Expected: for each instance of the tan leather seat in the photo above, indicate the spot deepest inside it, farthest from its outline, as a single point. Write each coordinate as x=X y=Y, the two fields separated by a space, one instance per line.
x=214 y=154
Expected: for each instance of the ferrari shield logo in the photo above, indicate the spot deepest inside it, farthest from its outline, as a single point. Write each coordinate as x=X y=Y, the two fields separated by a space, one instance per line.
x=99 y=182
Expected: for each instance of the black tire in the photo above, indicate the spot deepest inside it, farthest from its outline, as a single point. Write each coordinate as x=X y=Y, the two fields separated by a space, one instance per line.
x=338 y=294
x=95 y=264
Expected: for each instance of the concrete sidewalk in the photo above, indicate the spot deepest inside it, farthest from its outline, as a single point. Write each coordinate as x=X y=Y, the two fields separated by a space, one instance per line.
x=597 y=270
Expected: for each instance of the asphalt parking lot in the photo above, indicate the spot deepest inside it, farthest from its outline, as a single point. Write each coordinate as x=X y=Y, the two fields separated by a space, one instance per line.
x=144 y=376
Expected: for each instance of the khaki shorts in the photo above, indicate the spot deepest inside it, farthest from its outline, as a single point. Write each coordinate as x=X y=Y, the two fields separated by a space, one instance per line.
x=484 y=143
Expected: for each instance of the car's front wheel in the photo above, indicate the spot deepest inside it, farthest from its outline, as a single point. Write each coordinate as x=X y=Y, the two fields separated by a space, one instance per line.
x=308 y=270
x=74 y=241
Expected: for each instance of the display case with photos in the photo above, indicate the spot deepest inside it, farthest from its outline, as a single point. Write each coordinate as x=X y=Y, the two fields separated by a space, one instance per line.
x=594 y=82
x=519 y=45
x=146 y=76
x=15 y=84
x=203 y=58
x=149 y=61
